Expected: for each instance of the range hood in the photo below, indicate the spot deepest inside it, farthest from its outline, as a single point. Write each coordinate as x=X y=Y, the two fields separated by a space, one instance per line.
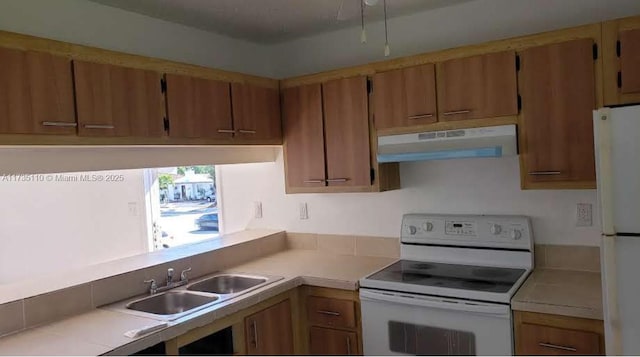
x=493 y=141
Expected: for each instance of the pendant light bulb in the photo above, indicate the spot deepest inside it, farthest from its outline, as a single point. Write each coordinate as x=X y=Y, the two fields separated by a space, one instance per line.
x=371 y=2
x=387 y=50
x=363 y=36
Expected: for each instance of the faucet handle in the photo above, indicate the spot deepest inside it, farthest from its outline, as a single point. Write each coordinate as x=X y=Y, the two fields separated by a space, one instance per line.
x=154 y=287
x=170 y=276
x=183 y=275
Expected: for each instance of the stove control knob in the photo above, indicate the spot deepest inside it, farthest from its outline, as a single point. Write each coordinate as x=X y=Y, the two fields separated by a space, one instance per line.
x=412 y=230
x=427 y=226
x=516 y=234
x=496 y=229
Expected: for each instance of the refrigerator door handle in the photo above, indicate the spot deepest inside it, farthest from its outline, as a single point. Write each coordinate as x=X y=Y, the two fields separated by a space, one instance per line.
x=604 y=171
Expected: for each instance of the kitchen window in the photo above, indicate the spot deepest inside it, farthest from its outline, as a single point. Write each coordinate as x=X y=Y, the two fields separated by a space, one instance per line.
x=182 y=205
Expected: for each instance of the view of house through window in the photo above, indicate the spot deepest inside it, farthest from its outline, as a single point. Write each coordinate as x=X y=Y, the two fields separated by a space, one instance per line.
x=183 y=206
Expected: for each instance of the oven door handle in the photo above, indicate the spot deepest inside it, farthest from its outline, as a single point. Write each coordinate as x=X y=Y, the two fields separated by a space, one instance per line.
x=437 y=303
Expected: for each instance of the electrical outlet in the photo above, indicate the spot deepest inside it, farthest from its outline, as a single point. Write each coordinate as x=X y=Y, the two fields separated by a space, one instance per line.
x=257 y=210
x=584 y=215
x=304 y=212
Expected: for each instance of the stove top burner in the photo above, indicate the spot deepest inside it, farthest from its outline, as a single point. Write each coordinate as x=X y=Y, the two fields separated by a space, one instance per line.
x=478 y=284
x=453 y=276
x=422 y=266
x=490 y=273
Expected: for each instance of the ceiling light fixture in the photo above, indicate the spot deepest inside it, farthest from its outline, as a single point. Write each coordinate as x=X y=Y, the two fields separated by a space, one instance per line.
x=371 y=2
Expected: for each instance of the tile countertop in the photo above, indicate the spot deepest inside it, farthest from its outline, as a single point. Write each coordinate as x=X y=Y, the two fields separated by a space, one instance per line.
x=561 y=292
x=101 y=331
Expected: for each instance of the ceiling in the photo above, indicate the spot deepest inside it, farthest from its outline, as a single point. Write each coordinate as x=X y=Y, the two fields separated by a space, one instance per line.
x=271 y=21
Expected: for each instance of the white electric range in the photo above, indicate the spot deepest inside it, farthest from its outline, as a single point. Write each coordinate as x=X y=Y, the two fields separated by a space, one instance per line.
x=450 y=292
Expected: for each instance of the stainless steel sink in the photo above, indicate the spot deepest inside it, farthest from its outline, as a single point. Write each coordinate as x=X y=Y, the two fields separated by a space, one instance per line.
x=228 y=284
x=172 y=303
x=204 y=294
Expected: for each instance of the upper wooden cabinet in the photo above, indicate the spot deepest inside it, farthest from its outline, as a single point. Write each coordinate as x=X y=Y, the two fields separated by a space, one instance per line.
x=269 y=332
x=405 y=97
x=621 y=53
x=557 y=84
x=118 y=101
x=303 y=137
x=327 y=137
x=36 y=93
x=198 y=108
x=346 y=126
x=256 y=112
x=477 y=87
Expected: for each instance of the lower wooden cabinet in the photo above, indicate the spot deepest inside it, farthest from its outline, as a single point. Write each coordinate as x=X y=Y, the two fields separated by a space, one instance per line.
x=269 y=332
x=332 y=323
x=326 y=341
x=544 y=334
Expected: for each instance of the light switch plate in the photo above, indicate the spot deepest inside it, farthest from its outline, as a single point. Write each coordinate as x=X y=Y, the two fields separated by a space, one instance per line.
x=584 y=215
x=304 y=212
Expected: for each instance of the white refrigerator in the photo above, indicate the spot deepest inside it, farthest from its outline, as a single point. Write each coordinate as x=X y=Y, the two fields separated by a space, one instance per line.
x=617 y=144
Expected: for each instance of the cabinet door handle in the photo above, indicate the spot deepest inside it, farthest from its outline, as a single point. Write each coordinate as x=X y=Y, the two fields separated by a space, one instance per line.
x=457 y=112
x=544 y=173
x=313 y=181
x=59 y=123
x=338 y=180
x=348 y=346
x=226 y=131
x=420 y=116
x=326 y=312
x=242 y=131
x=98 y=126
x=255 y=333
x=557 y=347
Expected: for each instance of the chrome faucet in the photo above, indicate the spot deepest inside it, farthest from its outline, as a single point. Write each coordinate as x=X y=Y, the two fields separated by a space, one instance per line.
x=154 y=288
x=169 y=276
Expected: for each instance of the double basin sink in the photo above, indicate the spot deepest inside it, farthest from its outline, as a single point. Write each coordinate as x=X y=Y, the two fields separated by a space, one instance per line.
x=179 y=302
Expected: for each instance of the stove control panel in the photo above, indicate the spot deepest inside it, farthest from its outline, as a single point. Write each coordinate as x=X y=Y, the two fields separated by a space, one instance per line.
x=512 y=232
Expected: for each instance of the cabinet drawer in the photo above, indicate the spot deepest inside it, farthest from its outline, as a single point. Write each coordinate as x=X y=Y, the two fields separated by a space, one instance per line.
x=331 y=312
x=546 y=340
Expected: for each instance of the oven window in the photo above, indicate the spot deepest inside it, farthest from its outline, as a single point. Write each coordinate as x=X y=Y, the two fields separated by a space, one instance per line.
x=424 y=340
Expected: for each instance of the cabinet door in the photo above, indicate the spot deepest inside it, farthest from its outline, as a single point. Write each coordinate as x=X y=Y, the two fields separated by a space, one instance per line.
x=347 y=132
x=558 y=96
x=546 y=340
x=269 y=332
x=256 y=112
x=198 y=108
x=405 y=97
x=478 y=87
x=630 y=61
x=118 y=101
x=36 y=93
x=326 y=341
x=303 y=136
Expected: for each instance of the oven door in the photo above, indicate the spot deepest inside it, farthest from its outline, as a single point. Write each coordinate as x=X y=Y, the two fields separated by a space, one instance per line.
x=396 y=323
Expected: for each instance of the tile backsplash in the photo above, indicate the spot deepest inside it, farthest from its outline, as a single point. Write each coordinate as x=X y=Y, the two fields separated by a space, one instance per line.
x=345 y=244
x=567 y=257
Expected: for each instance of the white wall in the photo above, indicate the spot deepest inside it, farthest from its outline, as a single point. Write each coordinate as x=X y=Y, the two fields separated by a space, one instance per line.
x=88 y=23
x=467 y=23
x=54 y=225
x=473 y=186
